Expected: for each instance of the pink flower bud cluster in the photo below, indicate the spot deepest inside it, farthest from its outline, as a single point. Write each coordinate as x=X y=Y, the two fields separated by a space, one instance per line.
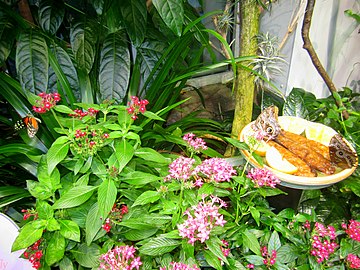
x=263 y=178
x=80 y=114
x=201 y=219
x=29 y=213
x=46 y=103
x=214 y=169
x=195 y=144
x=120 y=258
x=353 y=261
x=323 y=242
x=210 y=170
x=269 y=259
x=353 y=229
x=179 y=266
x=250 y=266
x=136 y=106
x=34 y=254
x=88 y=142
x=307 y=225
x=115 y=216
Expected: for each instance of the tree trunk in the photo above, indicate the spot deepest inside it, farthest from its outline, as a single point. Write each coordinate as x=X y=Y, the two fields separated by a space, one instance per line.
x=245 y=83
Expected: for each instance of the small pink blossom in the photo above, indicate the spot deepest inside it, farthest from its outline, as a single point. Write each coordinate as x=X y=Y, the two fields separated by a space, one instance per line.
x=136 y=106
x=47 y=102
x=180 y=266
x=120 y=258
x=323 y=242
x=215 y=169
x=269 y=259
x=353 y=261
x=181 y=169
x=353 y=230
x=201 y=219
x=194 y=143
x=263 y=177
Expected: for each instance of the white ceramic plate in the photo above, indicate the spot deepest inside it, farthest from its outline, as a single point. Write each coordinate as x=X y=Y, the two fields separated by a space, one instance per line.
x=294 y=181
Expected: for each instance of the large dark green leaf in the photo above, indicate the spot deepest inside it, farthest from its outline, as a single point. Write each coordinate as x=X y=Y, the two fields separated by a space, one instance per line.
x=159 y=246
x=295 y=103
x=124 y=153
x=29 y=234
x=114 y=68
x=56 y=249
x=70 y=230
x=172 y=12
x=148 y=54
x=83 y=39
x=87 y=256
x=57 y=152
x=74 y=197
x=7 y=37
x=93 y=223
x=51 y=14
x=32 y=62
x=134 y=14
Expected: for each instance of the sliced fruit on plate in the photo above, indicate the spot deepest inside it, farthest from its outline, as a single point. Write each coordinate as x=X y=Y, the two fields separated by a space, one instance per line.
x=319 y=132
x=293 y=124
x=277 y=162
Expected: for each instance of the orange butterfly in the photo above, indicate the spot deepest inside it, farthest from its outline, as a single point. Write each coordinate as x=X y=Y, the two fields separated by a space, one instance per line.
x=31 y=123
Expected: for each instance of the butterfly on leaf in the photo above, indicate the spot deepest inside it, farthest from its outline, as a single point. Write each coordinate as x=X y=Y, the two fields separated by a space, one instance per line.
x=341 y=153
x=31 y=124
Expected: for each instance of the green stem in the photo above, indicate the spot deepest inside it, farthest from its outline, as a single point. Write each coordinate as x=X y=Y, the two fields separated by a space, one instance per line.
x=57 y=120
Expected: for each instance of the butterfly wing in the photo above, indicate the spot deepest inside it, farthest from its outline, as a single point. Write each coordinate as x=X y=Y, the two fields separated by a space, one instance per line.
x=32 y=125
x=341 y=154
x=267 y=122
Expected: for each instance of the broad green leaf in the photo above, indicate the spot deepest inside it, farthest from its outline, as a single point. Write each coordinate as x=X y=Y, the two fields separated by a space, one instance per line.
x=159 y=246
x=172 y=12
x=295 y=104
x=87 y=256
x=66 y=264
x=51 y=14
x=250 y=241
x=93 y=223
x=70 y=230
x=29 y=234
x=32 y=62
x=39 y=190
x=74 y=197
x=255 y=259
x=151 y=155
x=274 y=242
x=55 y=249
x=134 y=14
x=137 y=178
x=106 y=197
x=83 y=40
x=63 y=109
x=137 y=224
x=44 y=210
x=124 y=153
x=57 y=152
x=136 y=235
x=287 y=253
x=114 y=67
x=255 y=214
x=149 y=196
x=65 y=71
x=51 y=180
x=213 y=244
x=153 y=116
x=52 y=225
x=212 y=260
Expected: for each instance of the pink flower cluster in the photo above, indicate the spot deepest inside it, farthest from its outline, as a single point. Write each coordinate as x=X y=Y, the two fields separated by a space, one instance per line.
x=46 y=103
x=34 y=254
x=136 y=106
x=29 y=213
x=214 y=169
x=201 y=219
x=269 y=259
x=87 y=142
x=115 y=216
x=194 y=143
x=120 y=258
x=179 y=266
x=263 y=177
x=323 y=242
x=80 y=114
x=353 y=229
x=353 y=261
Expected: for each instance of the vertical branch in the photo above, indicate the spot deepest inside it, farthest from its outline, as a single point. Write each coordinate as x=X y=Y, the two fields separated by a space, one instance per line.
x=305 y=33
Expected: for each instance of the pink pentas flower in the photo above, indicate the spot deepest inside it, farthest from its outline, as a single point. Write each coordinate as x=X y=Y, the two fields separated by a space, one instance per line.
x=195 y=144
x=201 y=219
x=180 y=169
x=262 y=177
x=136 y=106
x=46 y=102
x=269 y=259
x=120 y=258
x=352 y=229
x=215 y=169
x=353 y=261
x=180 y=266
x=323 y=242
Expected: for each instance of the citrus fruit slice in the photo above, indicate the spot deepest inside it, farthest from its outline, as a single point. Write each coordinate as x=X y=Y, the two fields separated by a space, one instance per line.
x=293 y=124
x=319 y=132
x=276 y=161
x=256 y=146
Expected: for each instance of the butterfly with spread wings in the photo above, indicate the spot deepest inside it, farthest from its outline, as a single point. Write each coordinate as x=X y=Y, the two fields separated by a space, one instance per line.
x=31 y=124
